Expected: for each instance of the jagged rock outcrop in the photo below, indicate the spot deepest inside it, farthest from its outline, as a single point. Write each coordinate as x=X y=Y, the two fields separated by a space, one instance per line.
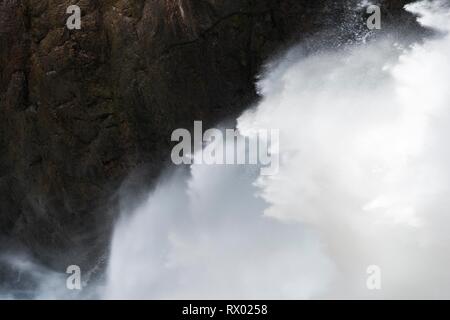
x=80 y=110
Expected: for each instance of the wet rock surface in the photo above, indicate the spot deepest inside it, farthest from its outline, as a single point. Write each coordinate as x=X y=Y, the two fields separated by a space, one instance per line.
x=84 y=112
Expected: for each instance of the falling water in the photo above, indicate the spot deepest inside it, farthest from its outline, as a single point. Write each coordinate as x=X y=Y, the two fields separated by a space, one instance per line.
x=364 y=180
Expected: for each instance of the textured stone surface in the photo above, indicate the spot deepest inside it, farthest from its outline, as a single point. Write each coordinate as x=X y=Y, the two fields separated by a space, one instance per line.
x=82 y=110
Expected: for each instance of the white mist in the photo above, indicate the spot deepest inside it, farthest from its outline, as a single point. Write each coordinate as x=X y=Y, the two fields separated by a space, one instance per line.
x=364 y=180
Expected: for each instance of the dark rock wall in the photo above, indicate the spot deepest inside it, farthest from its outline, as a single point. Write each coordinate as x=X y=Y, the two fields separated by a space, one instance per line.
x=81 y=110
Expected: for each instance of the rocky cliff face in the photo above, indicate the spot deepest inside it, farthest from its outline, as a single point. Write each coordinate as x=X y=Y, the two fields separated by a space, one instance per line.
x=82 y=110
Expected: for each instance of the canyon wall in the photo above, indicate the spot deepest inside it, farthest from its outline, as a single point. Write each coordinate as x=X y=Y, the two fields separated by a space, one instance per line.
x=84 y=113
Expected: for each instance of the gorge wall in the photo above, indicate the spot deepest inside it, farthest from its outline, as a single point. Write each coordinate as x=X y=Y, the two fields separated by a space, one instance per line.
x=87 y=112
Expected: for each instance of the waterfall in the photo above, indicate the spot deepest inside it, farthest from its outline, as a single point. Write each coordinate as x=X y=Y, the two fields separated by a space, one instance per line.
x=362 y=183
x=364 y=180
